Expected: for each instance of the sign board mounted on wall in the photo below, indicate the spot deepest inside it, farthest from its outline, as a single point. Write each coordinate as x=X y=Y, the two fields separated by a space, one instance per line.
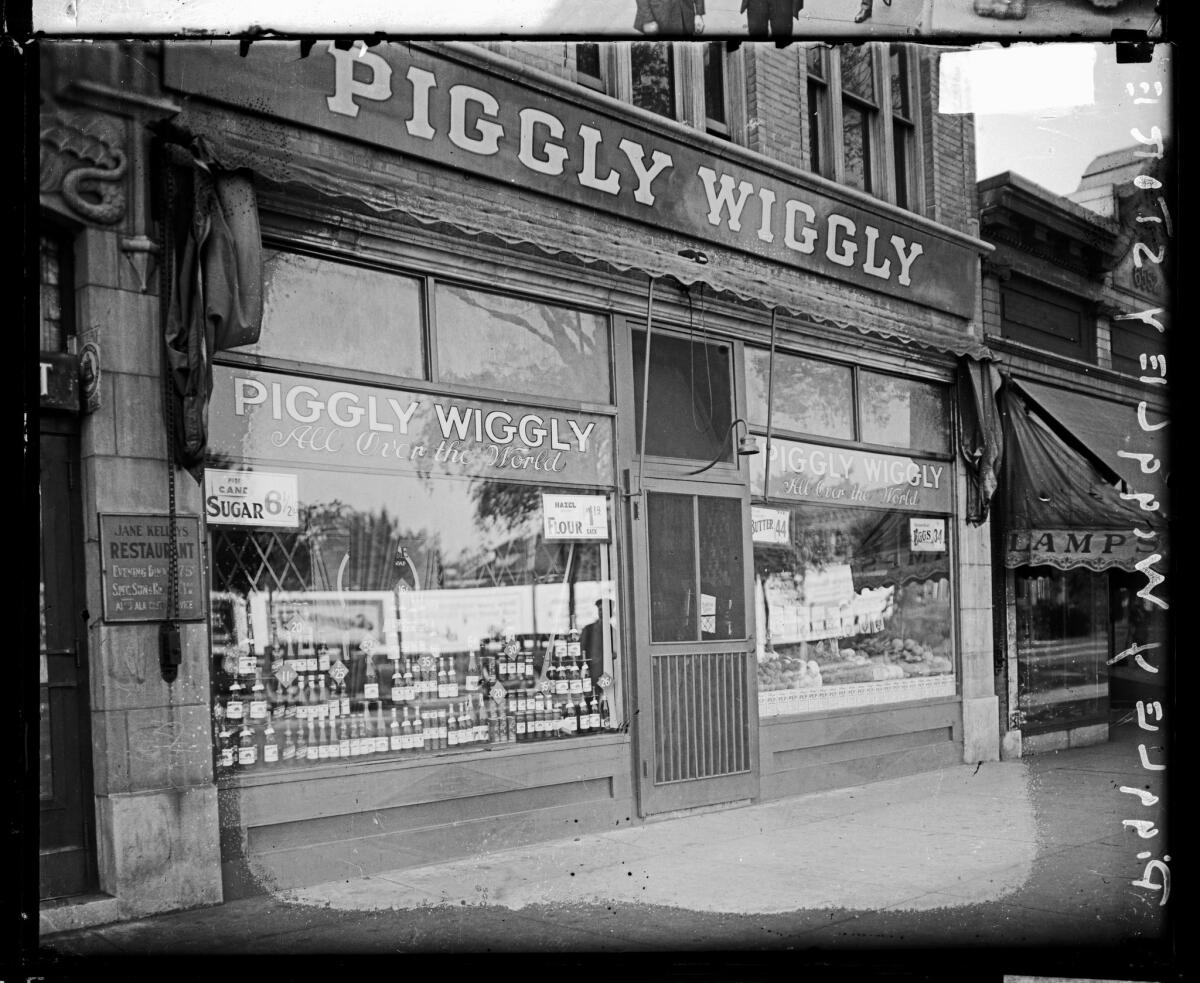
x=135 y=567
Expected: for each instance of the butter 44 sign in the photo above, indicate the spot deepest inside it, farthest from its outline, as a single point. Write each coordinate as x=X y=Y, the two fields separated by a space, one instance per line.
x=574 y=517
x=250 y=498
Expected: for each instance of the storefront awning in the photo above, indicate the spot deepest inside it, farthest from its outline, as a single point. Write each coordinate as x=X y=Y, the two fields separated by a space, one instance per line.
x=463 y=203
x=1105 y=428
x=1059 y=509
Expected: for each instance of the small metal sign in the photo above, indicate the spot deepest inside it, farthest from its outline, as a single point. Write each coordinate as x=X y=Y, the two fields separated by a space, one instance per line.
x=338 y=672
x=135 y=567
x=498 y=692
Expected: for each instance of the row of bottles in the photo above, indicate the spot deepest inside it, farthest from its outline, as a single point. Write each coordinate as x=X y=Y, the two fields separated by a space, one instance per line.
x=249 y=744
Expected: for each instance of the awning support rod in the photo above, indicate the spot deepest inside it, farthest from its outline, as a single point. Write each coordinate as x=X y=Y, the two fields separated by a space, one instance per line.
x=645 y=392
x=770 y=404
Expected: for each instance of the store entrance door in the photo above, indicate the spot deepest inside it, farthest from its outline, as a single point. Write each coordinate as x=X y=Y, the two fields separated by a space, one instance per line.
x=696 y=726
x=66 y=856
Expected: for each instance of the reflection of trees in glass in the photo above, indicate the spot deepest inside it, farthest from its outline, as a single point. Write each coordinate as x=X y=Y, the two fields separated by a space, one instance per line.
x=653 y=71
x=810 y=397
x=512 y=343
x=858 y=74
x=360 y=551
x=903 y=412
x=856 y=148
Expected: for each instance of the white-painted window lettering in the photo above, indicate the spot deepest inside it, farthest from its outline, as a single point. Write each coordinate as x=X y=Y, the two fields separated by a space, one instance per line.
x=1145 y=827
x=1142 y=754
x=660 y=161
x=1152 y=867
x=1146 y=798
x=1153 y=579
x=484 y=137
x=1146 y=317
x=1147 y=462
x=552 y=155
x=1143 y=422
x=1155 y=139
x=347 y=88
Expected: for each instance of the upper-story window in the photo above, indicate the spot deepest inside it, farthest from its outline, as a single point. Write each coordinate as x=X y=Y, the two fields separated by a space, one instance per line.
x=1046 y=318
x=688 y=82
x=862 y=119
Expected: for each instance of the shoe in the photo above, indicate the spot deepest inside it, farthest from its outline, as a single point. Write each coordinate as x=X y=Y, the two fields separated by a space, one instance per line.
x=864 y=12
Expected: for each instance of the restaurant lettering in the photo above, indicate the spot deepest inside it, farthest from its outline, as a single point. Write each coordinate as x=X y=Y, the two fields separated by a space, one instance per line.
x=441 y=107
x=277 y=417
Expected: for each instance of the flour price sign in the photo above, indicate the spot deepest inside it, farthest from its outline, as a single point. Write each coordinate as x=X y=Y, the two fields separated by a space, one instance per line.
x=569 y=518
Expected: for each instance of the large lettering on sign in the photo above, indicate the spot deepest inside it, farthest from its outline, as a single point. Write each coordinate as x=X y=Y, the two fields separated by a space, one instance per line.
x=438 y=106
x=841 y=476
x=265 y=416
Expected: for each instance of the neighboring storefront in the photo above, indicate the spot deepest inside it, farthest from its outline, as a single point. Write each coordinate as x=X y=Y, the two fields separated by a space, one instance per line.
x=1082 y=512
x=583 y=469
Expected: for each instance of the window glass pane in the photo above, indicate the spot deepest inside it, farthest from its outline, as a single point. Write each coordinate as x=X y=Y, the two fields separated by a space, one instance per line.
x=521 y=345
x=856 y=147
x=375 y=316
x=814 y=57
x=901 y=153
x=587 y=60
x=1062 y=647
x=653 y=74
x=849 y=614
x=858 y=76
x=904 y=412
x=898 y=59
x=672 y=542
x=690 y=398
x=722 y=606
x=53 y=338
x=714 y=82
x=818 y=108
x=811 y=397
x=389 y=612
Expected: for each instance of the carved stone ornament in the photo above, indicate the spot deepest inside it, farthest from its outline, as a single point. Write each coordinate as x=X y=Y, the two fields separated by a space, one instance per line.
x=82 y=162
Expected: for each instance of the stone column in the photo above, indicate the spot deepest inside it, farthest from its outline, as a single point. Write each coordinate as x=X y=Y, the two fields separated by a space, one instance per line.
x=981 y=724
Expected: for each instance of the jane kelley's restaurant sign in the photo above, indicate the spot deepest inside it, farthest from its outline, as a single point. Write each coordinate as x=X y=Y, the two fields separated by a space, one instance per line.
x=839 y=476
x=135 y=567
x=278 y=417
x=440 y=107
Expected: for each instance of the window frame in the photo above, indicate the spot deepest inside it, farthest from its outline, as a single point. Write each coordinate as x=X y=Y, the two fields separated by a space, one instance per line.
x=856 y=368
x=829 y=159
x=616 y=65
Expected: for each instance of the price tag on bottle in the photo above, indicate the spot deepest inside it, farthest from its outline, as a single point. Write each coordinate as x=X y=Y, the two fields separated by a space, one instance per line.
x=370 y=691
x=285 y=674
x=338 y=672
x=605 y=681
x=498 y=692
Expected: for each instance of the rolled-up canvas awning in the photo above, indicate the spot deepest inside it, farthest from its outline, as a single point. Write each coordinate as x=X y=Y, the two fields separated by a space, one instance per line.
x=464 y=205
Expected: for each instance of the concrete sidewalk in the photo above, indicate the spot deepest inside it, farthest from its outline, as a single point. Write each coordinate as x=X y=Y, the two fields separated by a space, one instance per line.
x=1012 y=855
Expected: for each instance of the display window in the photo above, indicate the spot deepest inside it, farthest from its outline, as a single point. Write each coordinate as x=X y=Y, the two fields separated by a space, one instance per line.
x=1062 y=647
x=401 y=572
x=853 y=572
